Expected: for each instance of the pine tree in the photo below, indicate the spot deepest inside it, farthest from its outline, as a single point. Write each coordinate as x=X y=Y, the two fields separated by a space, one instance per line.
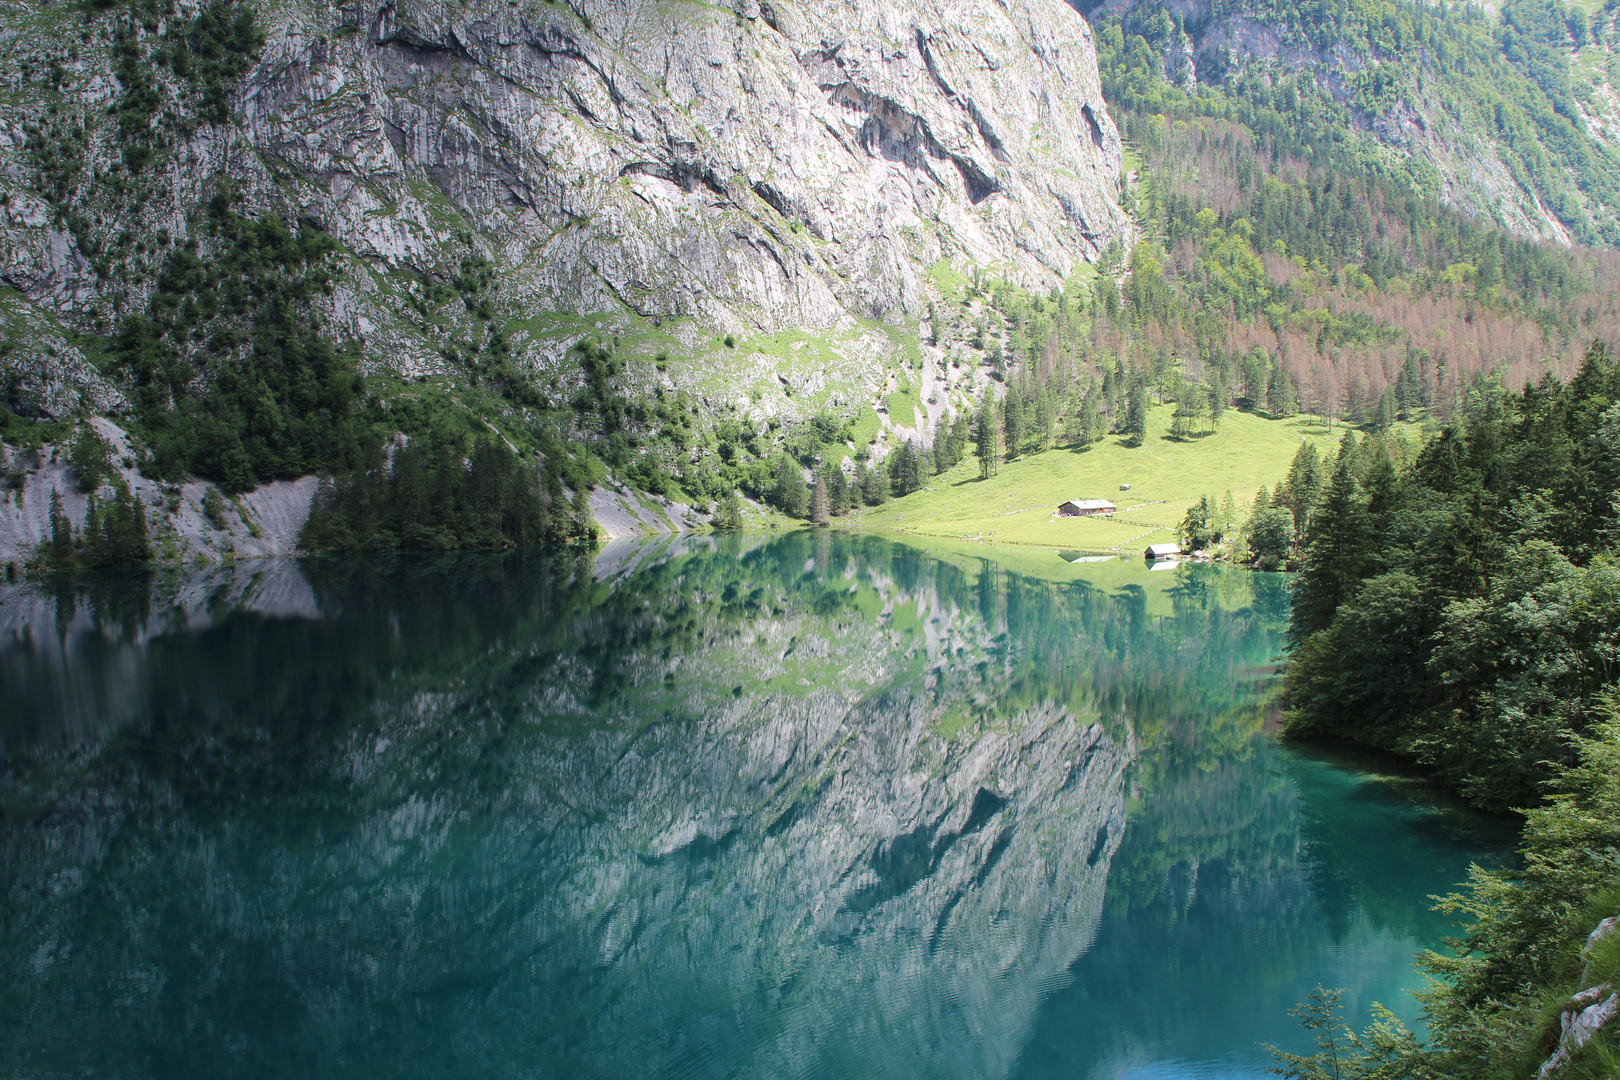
x=1135 y=429
x=1184 y=423
x=820 y=504
x=61 y=546
x=1387 y=409
x=118 y=538
x=1045 y=420
x=92 y=543
x=1091 y=422
x=1282 y=399
x=987 y=439
x=944 y=453
x=961 y=437
x=832 y=477
x=904 y=468
x=787 y=494
x=1300 y=489
x=1336 y=550
x=874 y=486
x=1012 y=411
x=584 y=528
x=1269 y=533
x=88 y=458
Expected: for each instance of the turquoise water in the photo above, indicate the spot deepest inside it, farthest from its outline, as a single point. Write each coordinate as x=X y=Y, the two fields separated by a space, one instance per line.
x=800 y=806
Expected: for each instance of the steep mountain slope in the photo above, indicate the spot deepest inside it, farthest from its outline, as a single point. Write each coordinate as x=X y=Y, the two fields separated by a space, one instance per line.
x=1508 y=114
x=703 y=169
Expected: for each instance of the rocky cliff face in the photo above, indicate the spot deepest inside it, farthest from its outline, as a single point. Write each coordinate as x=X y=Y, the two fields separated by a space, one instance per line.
x=694 y=168
x=264 y=522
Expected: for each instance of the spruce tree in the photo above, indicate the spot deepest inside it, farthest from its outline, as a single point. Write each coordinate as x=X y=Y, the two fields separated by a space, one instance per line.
x=1198 y=529
x=1091 y=423
x=92 y=543
x=1045 y=420
x=987 y=439
x=1136 y=412
x=820 y=504
x=832 y=477
x=1299 y=491
x=787 y=494
x=1336 y=551
x=1282 y=400
x=945 y=453
x=89 y=458
x=61 y=545
x=874 y=486
x=1013 y=420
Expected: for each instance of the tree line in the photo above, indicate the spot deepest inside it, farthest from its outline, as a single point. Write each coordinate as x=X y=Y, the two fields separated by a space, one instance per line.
x=1462 y=609
x=430 y=497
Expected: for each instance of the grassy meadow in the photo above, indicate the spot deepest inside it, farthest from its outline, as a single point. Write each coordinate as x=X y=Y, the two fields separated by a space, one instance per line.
x=1019 y=505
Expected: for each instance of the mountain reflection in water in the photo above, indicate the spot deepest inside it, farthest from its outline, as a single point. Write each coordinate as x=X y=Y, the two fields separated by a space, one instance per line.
x=809 y=805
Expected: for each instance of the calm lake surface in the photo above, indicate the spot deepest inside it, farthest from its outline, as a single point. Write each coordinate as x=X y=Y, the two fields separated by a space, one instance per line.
x=793 y=806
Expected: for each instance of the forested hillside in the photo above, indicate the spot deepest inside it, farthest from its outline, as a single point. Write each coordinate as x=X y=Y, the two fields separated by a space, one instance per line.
x=1508 y=113
x=1463 y=610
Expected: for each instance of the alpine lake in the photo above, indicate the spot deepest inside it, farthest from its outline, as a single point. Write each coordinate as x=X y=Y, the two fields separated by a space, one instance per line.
x=788 y=805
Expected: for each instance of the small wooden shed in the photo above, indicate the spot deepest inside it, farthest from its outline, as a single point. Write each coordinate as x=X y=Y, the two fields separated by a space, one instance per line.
x=1162 y=551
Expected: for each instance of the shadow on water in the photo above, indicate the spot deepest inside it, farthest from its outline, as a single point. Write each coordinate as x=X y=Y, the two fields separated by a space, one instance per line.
x=802 y=805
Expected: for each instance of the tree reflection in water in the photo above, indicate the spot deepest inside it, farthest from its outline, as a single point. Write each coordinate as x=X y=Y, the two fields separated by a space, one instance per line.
x=805 y=805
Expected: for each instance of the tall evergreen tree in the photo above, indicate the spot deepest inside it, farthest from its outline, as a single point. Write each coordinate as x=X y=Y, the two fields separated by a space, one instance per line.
x=1136 y=412
x=1302 y=486
x=905 y=469
x=1045 y=421
x=1199 y=529
x=820 y=504
x=832 y=477
x=61 y=544
x=728 y=515
x=1091 y=422
x=1336 y=550
x=1281 y=398
x=787 y=493
x=987 y=439
x=874 y=486
x=1012 y=411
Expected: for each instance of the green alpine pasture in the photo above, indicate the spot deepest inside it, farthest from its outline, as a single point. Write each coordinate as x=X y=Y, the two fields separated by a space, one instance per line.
x=1019 y=504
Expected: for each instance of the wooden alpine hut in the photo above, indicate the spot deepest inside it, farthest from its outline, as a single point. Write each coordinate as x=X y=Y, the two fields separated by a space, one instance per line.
x=1086 y=508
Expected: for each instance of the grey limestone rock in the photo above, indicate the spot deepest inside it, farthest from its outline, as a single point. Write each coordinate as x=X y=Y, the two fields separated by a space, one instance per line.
x=765 y=166
x=264 y=522
x=43 y=374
